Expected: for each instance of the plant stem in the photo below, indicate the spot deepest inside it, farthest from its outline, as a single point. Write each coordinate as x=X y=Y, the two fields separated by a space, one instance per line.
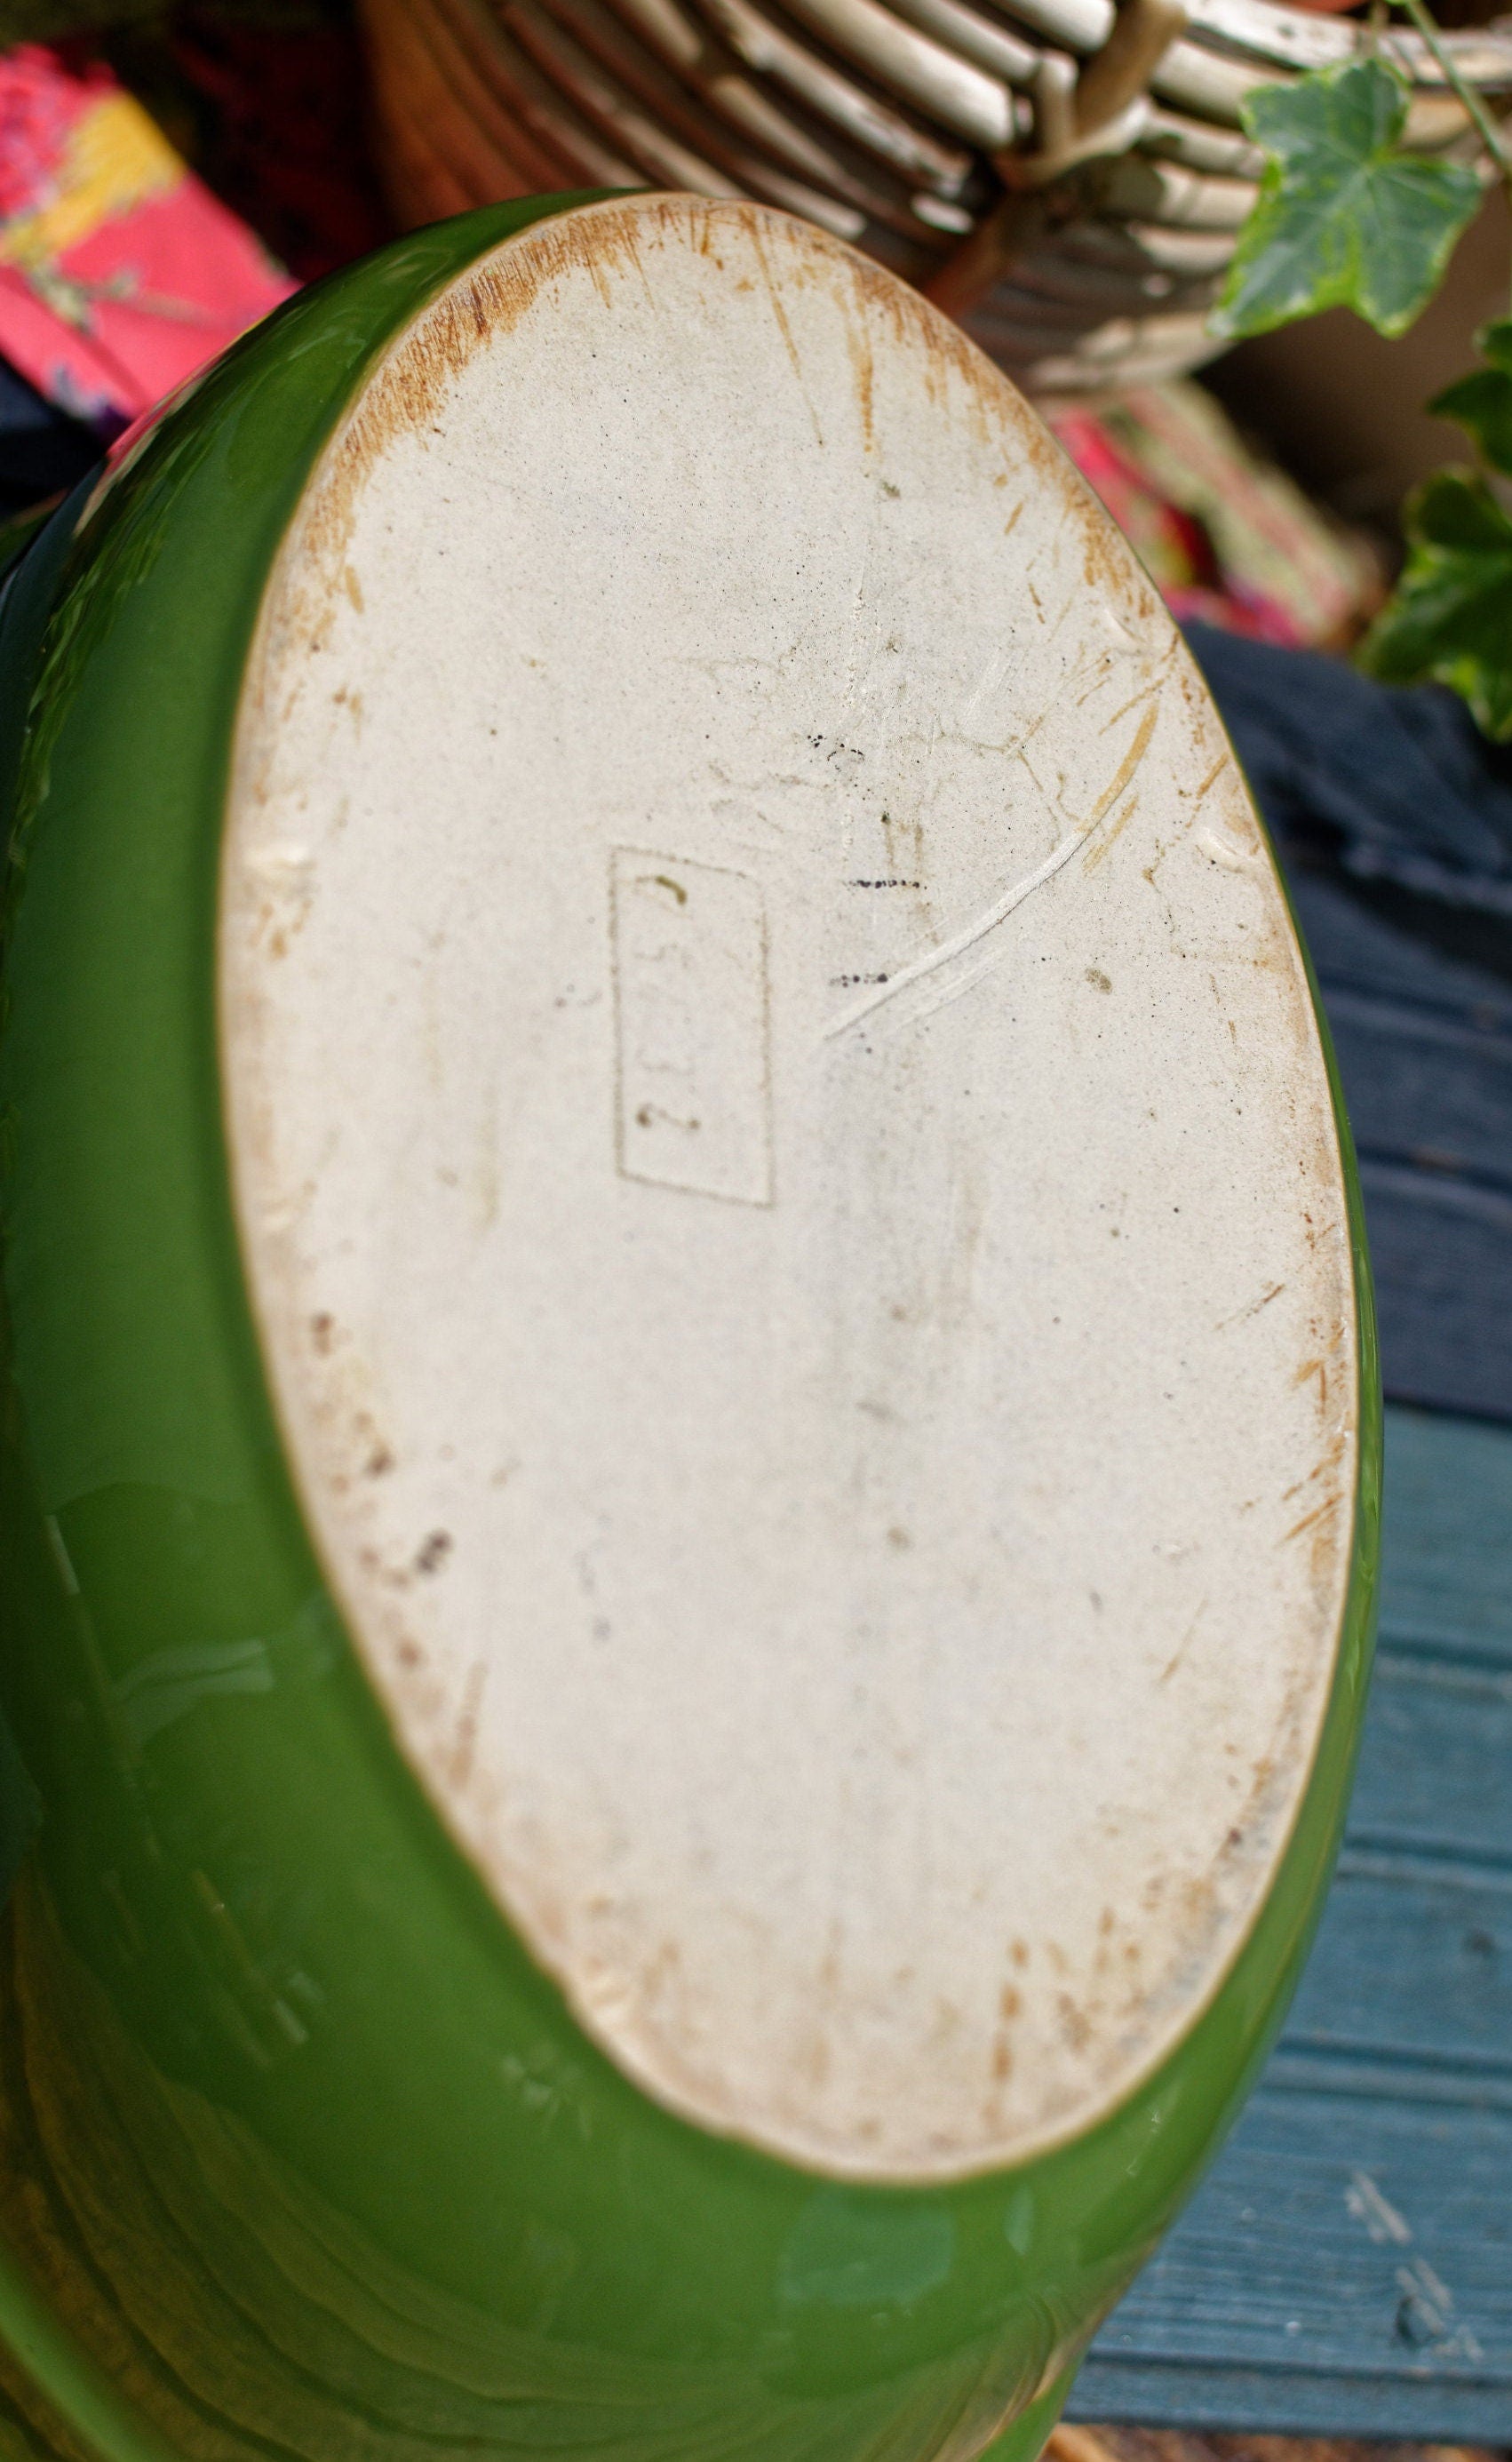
x=1473 y=104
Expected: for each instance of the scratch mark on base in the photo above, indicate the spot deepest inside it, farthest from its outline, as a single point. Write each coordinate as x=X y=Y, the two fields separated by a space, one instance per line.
x=1172 y=1664
x=931 y=960
x=1330 y=1504
x=1252 y=1307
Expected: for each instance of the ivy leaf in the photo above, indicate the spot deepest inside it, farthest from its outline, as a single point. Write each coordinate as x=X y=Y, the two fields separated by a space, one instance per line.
x=1450 y=620
x=1482 y=404
x=1343 y=218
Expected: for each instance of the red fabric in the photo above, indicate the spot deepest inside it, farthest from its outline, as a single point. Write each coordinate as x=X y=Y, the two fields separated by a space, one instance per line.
x=1174 y=545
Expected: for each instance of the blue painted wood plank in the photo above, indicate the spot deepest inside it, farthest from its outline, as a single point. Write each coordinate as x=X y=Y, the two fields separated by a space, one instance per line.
x=1364 y=2236
x=1447 y=1576
x=1434 y=1729
x=1346 y=2269
x=1439 y=1243
x=1416 y=1965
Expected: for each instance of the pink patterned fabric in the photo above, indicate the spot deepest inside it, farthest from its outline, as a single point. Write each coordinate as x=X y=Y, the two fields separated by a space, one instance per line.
x=120 y=275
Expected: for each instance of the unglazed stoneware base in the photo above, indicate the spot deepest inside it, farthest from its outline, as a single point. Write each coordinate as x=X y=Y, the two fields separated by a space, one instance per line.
x=791 y=1191
x=690 y=1449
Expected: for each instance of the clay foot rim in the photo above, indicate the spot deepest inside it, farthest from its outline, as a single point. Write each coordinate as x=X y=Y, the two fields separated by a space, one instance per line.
x=790 y=1189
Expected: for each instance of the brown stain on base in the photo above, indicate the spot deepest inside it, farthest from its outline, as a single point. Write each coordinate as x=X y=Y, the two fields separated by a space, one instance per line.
x=1100 y=849
x=615 y=239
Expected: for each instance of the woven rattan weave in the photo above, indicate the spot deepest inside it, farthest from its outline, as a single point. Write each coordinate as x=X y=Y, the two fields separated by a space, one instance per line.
x=1066 y=176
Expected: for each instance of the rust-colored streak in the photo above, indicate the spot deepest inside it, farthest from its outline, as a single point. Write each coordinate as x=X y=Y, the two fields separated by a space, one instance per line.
x=1330 y=1504
x=1211 y=780
x=1103 y=846
x=784 y=327
x=608 y=242
x=863 y=362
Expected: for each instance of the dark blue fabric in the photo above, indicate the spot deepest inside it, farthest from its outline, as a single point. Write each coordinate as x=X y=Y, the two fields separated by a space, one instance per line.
x=1393 y=818
x=43 y=452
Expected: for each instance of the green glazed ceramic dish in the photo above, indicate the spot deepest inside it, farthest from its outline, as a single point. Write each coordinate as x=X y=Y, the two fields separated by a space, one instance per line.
x=569 y=1516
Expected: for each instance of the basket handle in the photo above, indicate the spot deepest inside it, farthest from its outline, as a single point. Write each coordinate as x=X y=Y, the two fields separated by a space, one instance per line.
x=1078 y=114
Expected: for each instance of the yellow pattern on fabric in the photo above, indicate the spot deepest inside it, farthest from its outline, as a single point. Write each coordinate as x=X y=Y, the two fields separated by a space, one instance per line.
x=116 y=158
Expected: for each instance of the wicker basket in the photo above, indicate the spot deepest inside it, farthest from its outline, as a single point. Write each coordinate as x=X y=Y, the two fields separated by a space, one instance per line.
x=1065 y=177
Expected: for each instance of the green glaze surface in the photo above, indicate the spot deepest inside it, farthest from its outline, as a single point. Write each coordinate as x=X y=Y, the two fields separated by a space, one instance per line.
x=299 y=2152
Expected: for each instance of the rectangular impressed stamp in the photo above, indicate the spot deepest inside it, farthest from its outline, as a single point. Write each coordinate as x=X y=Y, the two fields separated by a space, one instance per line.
x=694 y=1092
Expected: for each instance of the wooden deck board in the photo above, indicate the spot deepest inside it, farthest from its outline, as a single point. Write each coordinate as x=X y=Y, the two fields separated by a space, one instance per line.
x=1347 y=2268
